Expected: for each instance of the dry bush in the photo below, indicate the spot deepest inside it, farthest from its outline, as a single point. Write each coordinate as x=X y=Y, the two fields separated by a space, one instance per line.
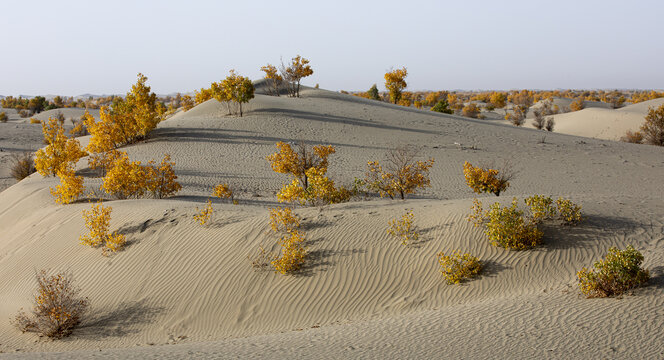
x=458 y=267
x=653 y=128
x=60 y=117
x=22 y=166
x=517 y=117
x=486 y=179
x=401 y=175
x=549 y=124
x=632 y=137
x=403 y=228
x=618 y=272
x=273 y=78
x=261 y=260
x=23 y=113
x=577 y=104
x=3 y=117
x=57 y=308
x=541 y=121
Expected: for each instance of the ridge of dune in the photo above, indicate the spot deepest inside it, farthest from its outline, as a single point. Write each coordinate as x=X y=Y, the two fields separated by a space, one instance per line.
x=178 y=282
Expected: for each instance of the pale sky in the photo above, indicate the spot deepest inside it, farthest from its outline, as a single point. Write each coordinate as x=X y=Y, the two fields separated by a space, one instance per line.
x=75 y=47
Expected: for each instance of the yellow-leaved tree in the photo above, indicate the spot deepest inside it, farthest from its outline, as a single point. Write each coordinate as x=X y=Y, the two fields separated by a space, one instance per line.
x=203 y=95
x=60 y=153
x=308 y=167
x=401 y=175
x=395 y=82
x=238 y=89
x=298 y=69
x=273 y=78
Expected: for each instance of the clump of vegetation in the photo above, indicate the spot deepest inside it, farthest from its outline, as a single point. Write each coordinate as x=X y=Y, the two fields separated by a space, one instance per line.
x=273 y=78
x=283 y=220
x=632 y=137
x=223 y=191
x=577 y=104
x=129 y=179
x=3 y=117
x=373 y=93
x=57 y=308
x=203 y=215
x=70 y=188
x=235 y=88
x=22 y=166
x=550 y=123
x=403 y=229
x=619 y=272
x=60 y=153
x=79 y=128
x=458 y=267
x=471 y=110
x=97 y=221
x=308 y=168
x=487 y=180
x=395 y=82
x=442 y=106
x=298 y=69
x=653 y=128
x=293 y=253
x=569 y=212
x=541 y=208
x=161 y=180
x=402 y=174
x=34 y=121
x=506 y=227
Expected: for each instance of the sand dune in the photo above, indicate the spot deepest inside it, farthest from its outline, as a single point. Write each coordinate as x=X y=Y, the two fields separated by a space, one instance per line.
x=362 y=294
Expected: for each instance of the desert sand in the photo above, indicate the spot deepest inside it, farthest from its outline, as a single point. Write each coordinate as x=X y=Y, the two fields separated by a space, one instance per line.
x=181 y=290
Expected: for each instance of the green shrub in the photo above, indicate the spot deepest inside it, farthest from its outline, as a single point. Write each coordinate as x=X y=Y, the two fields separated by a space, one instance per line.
x=618 y=272
x=442 y=106
x=458 y=267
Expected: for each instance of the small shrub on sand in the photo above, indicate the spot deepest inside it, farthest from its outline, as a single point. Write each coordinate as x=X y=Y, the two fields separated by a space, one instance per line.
x=569 y=212
x=125 y=179
x=550 y=123
x=541 y=208
x=293 y=253
x=403 y=229
x=653 y=128
x=57 y=308
x=60 y=154
x=442 y=107
x=203 y=216
x=402 y=174
x=161 y=179
x=632 y=137
x=97 y=221
x=223 y=191
x=458 y=267
x=3 y=117
x=283 y=220
x=22 y=166
x=487 y=180
x=577 y=104
x=471 y=110
x=261 y=259
x=618 y=272
x=507 y=227
x=34 y=121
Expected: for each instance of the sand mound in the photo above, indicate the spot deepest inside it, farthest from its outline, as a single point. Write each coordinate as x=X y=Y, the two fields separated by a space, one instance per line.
x=180 y=282
x=69 y=114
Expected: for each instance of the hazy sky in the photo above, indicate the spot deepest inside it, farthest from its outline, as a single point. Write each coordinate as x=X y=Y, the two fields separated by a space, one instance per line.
x=74 y=47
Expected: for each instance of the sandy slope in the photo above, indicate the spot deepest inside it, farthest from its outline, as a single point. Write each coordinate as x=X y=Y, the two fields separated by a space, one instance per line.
x=362 y=294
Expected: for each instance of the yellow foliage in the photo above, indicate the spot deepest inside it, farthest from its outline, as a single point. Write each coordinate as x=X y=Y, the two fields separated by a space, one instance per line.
x=569 y=212
x=403 y=229
x=97 y=221
x=478 y=215
x=292 y=253
x=507 y=227
x=203 y=95
x=577 y=104
x=223 y=191
x=161 y=180
x=34 y=121
x=485 y=180
x=403 y=175
x=125 y=179
x=541 y=207
x=618 y=272
x=70 y=188
x=187 y=102
x=60 y=153
x=457 y=267
x=395 y=83
x=299 y=68
x=203 y=216
x=283 y=220
x=273 y=77
x=236 y=88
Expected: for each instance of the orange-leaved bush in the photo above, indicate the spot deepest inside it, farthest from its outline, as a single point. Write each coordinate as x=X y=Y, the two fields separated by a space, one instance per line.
x=457 y=267
x=60 y=153
x=297 y=69
x=70 y=188
x=403 y=229
x=161 y=179
x=402 y=174
x=395 y=82
x=273 y=77
x=204 y=215
x=487 y=180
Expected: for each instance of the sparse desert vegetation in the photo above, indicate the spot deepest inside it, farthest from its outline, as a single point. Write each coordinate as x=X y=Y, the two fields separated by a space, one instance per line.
x=619 y=272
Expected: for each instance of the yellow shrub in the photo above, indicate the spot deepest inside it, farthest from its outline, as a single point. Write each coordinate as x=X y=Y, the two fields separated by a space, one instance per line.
x=485 y=180
x=292 y=253
x=541 y=207
x=203 y=216
x=457 y=267
x=70 y=188
x=402 y=175
x=161 y=180
x=508 y=228
x=125 y=179
x=569 y=212
x=223 y=191
x=479 y=215
x=618 y=272
x=403 y=229
x=34 y=121
x=97 y=221
x=283 y=220
x=60 y=153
